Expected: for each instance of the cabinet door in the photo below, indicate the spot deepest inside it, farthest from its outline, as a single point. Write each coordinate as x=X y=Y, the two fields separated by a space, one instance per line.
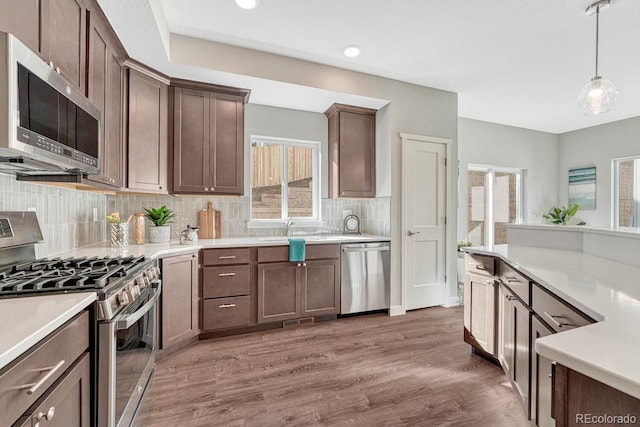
x=68 y=402
x=22 y=19
x=278 y=291
x=105 y=89
x=64 y=38
x=320 y=288
x=147 y=142
x=540 y=378
x=480 y=304
x=179 y=299
x=191 y=141
x=357 y=155
x=226 y=145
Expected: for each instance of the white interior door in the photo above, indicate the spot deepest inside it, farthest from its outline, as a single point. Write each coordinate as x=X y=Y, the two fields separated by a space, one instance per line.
x=423 y=222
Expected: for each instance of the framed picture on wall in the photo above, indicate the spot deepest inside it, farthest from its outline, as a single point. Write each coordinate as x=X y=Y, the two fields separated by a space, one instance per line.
x=582 y=187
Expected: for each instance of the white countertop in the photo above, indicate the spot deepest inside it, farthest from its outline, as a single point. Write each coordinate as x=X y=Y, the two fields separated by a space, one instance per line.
x=27 y=320
x=156 y=250
x=606 y=290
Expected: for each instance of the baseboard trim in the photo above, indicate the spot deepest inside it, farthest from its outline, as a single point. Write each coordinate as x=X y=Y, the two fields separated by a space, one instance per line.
x=396 y=310
x=451 y=302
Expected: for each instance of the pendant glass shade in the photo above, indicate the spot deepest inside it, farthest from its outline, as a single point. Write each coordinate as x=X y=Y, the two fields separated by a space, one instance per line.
x=597 y=97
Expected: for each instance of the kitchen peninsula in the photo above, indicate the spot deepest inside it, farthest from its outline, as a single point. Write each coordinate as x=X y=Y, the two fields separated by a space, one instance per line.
x=592 y=271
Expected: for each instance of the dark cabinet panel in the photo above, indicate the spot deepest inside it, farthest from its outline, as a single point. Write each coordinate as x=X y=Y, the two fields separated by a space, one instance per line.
x=64 y=37
x=179 y=299
x=105 y=89
x=352 y=157
x=221 y=313
x=147 y=131
x=321 y=288
x=541 y=368
x=208 y=140
x=22 y=19
x=278 y=292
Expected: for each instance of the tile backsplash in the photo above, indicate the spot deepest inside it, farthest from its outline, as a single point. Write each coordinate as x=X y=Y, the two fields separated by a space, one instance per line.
x=374 y=214
x=65 y=215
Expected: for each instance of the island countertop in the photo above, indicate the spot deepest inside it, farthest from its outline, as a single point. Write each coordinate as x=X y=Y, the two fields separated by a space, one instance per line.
x=606 y=290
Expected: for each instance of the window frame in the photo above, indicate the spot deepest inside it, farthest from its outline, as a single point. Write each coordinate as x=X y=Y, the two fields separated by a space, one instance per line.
x=491 y=170
x=615 y=191
x=313 y=221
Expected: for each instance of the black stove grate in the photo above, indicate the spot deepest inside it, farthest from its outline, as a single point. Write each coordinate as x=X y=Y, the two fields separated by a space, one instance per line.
x=67 y=275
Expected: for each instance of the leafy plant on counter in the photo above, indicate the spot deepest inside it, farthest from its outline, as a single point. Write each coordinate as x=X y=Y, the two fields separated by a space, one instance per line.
x=562 y=215
x=160 y=216
x=464 y=244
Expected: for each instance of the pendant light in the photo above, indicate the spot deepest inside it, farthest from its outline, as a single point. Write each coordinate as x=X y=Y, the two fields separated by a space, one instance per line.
x=598 y=95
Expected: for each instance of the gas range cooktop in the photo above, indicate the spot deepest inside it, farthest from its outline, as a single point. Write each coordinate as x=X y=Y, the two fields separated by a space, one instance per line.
x=56 y=275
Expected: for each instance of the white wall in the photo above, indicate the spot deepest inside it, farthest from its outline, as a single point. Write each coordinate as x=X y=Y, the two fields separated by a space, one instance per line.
x=597 y=146
x=507 y=146
x=413 y=109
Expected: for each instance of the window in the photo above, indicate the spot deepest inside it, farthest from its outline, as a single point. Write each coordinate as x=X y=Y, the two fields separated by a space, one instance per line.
x=285 y=179
x=626 y=206
x=495 y=199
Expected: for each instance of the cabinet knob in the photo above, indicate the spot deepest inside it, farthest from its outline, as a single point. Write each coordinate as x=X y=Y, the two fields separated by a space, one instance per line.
x=206 y=188
x=299 y=264
x=47 y=416
x=51 y=64
x=58 y=70
x=304 y=264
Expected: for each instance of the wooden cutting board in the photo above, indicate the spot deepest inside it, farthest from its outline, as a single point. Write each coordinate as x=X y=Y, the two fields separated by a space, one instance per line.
x=209 y=223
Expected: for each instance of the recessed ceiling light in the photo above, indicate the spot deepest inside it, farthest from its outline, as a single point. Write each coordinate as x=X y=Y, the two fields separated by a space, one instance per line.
x=247 y=4
x=351 y=51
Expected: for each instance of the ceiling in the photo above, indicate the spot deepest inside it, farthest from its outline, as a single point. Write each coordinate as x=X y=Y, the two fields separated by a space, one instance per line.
x=514 y=62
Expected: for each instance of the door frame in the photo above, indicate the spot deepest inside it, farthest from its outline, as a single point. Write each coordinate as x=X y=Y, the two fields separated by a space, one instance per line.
x=449 y=215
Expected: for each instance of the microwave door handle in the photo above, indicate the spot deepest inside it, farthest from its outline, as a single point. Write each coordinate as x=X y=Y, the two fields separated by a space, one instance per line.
x=127 y=321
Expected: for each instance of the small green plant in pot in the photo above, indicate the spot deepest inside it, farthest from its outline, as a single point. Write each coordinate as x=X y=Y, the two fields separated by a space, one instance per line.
x=159 y=232
x=562 y=215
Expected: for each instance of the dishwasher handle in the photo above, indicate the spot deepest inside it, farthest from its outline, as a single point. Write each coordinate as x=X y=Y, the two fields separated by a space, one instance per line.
x=372 y=249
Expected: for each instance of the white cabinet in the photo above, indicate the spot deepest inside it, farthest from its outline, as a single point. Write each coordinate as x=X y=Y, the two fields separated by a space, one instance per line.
x=480 y=304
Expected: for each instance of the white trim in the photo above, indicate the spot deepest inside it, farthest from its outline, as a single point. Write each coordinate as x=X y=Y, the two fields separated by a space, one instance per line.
x=406 y=136
x=275 y=140
x=451 y=302
x=396 y=310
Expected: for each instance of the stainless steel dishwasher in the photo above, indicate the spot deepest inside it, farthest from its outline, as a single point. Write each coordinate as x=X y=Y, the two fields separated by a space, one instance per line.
x=364 y=276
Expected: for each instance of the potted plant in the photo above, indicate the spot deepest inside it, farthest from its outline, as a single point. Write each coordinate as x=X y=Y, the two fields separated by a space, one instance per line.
x=159 y=232
x=562 y=215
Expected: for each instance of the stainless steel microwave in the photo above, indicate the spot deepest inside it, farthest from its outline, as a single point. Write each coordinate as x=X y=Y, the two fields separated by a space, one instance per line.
x=46 y=126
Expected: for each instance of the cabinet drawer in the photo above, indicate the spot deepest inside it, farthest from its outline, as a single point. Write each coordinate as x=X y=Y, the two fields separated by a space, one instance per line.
x=48 y=361
x=225 y=256
x=515 y=281
x=220 y=313
x=225 y=281
x=281 y=253
x=479 y=263
x=555 y=312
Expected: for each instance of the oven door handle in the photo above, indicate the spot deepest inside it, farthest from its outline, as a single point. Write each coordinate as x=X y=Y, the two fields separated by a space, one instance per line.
x=127 y=321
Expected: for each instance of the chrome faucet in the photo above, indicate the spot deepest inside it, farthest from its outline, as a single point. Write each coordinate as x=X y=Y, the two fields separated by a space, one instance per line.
x=288 y=226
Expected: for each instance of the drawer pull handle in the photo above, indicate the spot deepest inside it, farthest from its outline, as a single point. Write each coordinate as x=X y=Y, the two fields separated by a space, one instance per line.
x=226 y=274
x=50 y=371
x=480 y=267
x=226 y=305
x=512 y=279
x=553 y=320
x=48 y=415
x=227 y=257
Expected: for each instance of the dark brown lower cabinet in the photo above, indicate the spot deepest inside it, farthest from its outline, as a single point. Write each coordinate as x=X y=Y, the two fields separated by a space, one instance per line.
x=579 y=400
x=291 y=290
x=179 y=299
x=67 y=403
x=540 y=377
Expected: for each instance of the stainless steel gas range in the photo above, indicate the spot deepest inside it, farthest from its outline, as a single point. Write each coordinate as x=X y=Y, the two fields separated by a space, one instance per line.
x=125 y=312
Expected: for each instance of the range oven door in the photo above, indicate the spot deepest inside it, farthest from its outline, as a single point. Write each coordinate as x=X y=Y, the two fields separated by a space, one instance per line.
x=126 y=356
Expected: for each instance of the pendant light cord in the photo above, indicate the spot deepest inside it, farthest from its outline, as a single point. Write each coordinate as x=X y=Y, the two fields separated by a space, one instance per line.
x=597 y=35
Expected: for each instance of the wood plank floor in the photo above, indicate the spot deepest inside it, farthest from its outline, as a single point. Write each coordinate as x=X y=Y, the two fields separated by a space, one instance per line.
x=372 y=370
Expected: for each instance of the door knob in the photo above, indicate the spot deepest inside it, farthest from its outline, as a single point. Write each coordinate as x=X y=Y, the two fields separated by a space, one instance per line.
x=411 y=233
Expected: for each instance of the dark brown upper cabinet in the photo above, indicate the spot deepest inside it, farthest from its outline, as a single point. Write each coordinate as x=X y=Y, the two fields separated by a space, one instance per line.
x=106 y=90
x=22 y=19
x=208 y=138
x=55 y=29
x=147 y=144
x=352 y=151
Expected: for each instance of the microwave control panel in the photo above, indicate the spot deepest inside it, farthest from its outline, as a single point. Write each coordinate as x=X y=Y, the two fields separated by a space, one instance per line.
x=29 y=137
